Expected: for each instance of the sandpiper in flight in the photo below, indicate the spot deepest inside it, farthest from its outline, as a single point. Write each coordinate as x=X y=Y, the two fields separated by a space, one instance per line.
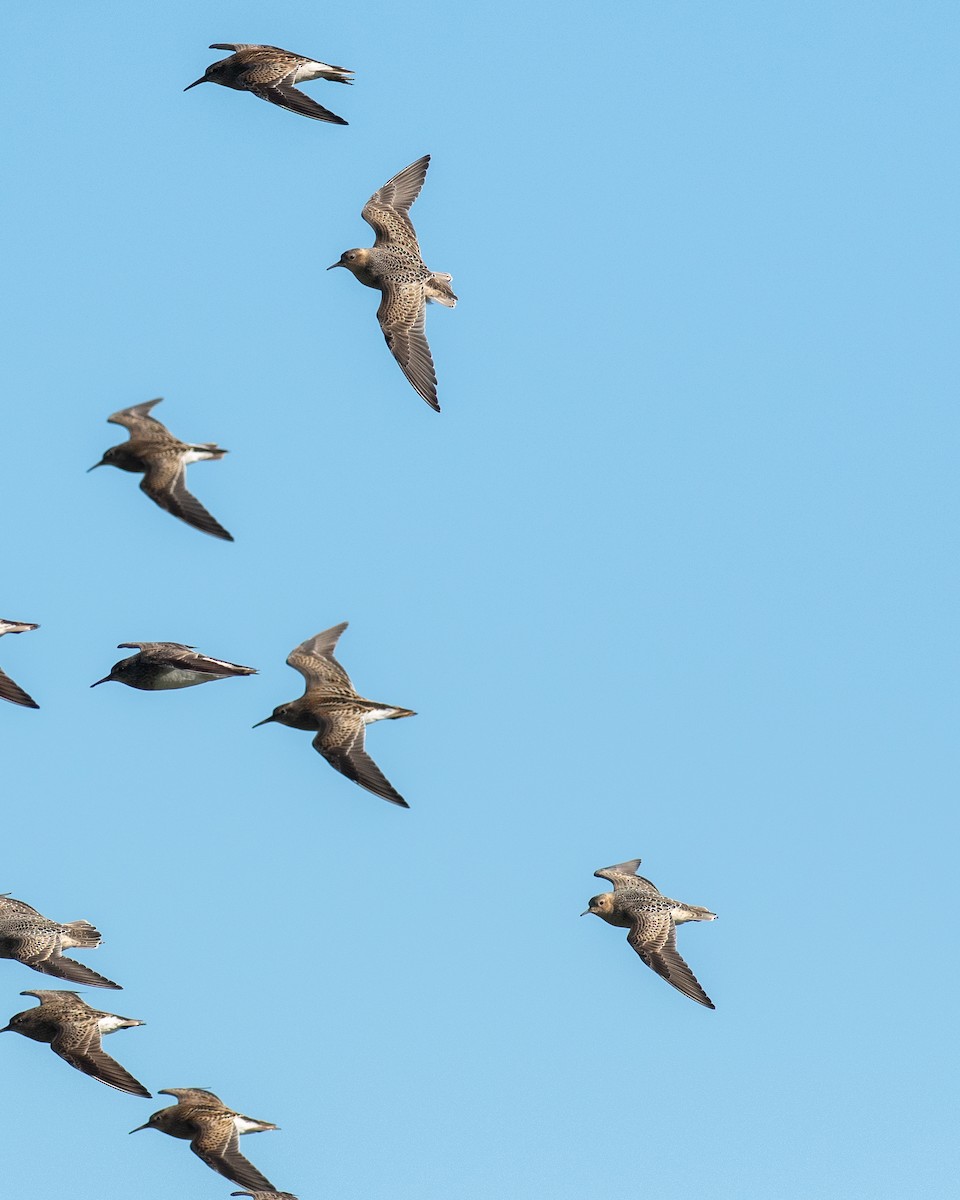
x=331 y=705
x=160 y=666
x=74 y=1031
x=8 y=689
x=394 y=266
x=162 y=460
x=213 y=1131
x=270 y=73
x=652 y=918
x=37 y=942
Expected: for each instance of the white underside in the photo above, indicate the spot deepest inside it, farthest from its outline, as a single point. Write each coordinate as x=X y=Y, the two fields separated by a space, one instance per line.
x=180 y=679
x=109 y=1024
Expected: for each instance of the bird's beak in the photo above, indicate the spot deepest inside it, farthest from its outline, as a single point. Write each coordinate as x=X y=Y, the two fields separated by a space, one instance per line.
x=263 y=722
x=106 y=679
x=336 y=264
x=101 y=463
x=202 y=79
x=139 y=1127
x=586 y=912
x=7 y=1029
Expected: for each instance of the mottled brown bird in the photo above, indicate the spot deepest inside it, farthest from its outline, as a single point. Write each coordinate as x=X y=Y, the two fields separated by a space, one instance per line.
x=37 y=942
x=394 y=265
x=213 y=1131
x=651 y=918
x=162 y=460
x=74 y=1031
x=332 y=706
x=270 y=73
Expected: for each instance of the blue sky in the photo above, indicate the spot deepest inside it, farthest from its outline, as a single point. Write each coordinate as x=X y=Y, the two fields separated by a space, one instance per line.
x=672 y=575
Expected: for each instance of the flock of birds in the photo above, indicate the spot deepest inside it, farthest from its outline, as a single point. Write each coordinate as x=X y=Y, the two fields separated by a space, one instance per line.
x=330 y=706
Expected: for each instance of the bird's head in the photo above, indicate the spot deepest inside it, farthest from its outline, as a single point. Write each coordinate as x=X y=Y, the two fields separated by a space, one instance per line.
x=600 y=906
x=354 y=260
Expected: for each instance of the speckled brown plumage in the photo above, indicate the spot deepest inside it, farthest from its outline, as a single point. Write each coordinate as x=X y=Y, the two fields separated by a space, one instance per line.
x=162 y=460
x=213 y=1131
x=270 y=73
x=332 y=706
x=651 y=918
x=395 y=267
x=74 y=1030
x=32 y=939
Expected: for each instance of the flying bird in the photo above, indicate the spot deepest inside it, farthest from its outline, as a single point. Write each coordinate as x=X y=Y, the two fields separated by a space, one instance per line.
x=213 y=1131
x=652 y=918
x=332 y=706
x=162 y=459
x=160 y=666
x=37 y=942
x=271 y=73
x=8 y=689
x=394 y=266
x=74 y=1031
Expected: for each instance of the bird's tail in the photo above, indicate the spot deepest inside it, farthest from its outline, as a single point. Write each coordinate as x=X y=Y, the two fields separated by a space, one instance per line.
x=438 y=289
x=201 y=451
x=81 y=933
x=694 y=912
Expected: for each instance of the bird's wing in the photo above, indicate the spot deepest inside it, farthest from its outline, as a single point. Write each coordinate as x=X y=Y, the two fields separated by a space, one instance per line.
x=217 y=1143
x=165 y=482
x=340 y=741
x=176 y=654
x=624 y=875
x=282 y=93
x=138 y=420
x=315 y=662
x=403 y=318
x=48 y=962
x=654 y=937
x=80 y=1046
x=14 y=693
x=387 y=211
x=9 y=906
x=62 y=1000
x=196 y=1095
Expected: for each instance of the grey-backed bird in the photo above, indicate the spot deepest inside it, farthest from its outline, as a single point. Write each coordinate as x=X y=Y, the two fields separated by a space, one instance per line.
x=271 y=73
x=32 y=939
x=8 y=689
x=74 y=1031
x=160 y=666
x=332 y=706
x=162 y=459
x=651 y=918
x=394 y=266
x=213 y=1131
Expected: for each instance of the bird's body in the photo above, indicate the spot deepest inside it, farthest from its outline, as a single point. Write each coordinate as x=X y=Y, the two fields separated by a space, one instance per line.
x=74 y=1031
x=162 y=459
x=636 y=904
x=160 y=666
x=34 y=940
x=8 y=689
x=332 y=708
x=213 y=1131
x=395 y=267
x=271 y=73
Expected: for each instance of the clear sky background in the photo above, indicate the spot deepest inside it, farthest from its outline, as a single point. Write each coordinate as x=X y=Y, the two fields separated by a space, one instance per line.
x=673 y=574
